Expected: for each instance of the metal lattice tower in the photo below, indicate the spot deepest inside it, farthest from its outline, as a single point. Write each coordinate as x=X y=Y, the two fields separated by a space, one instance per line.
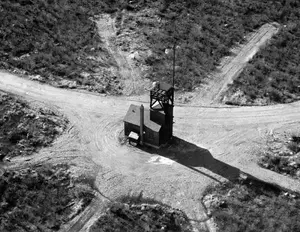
x=162 y=100
x=162 y=97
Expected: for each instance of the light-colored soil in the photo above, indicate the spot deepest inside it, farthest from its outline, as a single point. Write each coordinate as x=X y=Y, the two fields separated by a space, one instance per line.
x=230 y=67
x=216 y=143
x=131 y=75
x=213 y=143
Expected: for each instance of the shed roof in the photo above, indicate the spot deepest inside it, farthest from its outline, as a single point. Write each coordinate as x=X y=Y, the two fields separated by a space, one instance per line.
x=133 y=117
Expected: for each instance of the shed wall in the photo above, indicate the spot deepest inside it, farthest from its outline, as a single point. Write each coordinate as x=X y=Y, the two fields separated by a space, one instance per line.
x=150 y=136
x=128 y=127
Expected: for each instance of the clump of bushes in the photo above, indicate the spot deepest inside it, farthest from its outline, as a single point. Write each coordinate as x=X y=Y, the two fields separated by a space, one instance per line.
x=251 y=205
x=284 y=162
x=137 y=214
x=57 y=40
x=39 y=199
x=24 y=130
x=54 y=39
x=205 y=31
x=274 y=74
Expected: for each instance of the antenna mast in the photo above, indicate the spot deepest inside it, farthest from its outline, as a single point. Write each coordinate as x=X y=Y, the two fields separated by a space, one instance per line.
x=174 y=52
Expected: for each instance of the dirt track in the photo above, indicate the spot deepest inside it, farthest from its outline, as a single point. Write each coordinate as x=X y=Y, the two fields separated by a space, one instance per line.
x=216 y=143
x=230 y=135
x=131 y=75
x=231 y=67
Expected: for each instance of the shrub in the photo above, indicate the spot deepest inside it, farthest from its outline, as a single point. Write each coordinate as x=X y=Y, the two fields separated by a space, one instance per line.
x=280 y=82
x=294 y=146
x=275 y=95
x=38 y=198
x=50 y=37
x=252 y=205
x=296 y=138
x=32 y=39
x=287 y=162
x=24 y=130
x=137 y=217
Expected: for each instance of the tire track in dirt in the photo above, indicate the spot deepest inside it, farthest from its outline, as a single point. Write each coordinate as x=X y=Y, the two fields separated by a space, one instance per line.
x=83 y=220
x=230 y=134
x=231 y=67
x=131 y=75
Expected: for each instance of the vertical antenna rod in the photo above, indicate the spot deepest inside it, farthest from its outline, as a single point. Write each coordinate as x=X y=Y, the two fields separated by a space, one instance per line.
x=174 y=57
x=142 y=125
x=174 y=52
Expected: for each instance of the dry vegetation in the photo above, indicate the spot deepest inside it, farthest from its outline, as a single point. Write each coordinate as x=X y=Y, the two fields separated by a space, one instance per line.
x=205 y=31
x=136 y=214
x=40 y=199
x=58 y=40
x=71 y=54
x=54 y=39
x=34 y=197
x=273 y=75
x=250 y=205
x=24 y=130
x=285 y=159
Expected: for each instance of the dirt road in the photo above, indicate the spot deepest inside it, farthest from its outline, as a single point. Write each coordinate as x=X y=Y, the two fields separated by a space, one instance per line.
x=131 y=75
x=215 y=144
x=232 y=66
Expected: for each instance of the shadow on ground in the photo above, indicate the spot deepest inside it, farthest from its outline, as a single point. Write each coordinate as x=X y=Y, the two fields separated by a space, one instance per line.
x=195 y=157
x=198 y=159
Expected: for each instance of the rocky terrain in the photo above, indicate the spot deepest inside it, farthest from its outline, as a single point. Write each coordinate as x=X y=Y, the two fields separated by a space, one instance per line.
x=282 y=155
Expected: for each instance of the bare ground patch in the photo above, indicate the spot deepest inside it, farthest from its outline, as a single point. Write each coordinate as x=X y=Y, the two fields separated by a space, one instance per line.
x=125 y=46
